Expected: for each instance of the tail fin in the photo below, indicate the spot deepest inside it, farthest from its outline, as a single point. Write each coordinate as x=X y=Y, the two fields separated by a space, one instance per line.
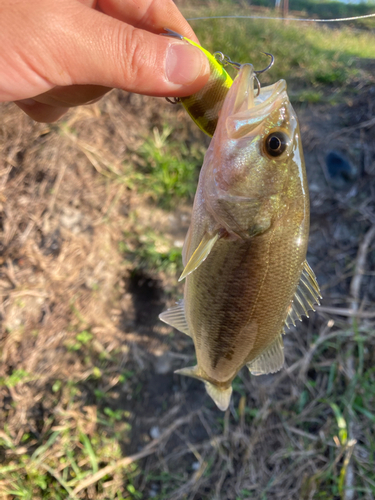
x=220 y=396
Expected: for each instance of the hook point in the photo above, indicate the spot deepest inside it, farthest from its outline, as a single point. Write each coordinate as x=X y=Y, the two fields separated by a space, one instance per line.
x=270 y=64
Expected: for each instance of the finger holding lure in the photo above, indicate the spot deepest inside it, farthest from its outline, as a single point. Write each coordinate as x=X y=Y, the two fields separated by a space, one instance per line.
x=246 y=274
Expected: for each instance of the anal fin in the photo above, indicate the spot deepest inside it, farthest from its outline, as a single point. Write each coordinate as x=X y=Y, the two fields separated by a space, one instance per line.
x=200 y=254
x=305 y=297
x=175 y=316
x=270 y=361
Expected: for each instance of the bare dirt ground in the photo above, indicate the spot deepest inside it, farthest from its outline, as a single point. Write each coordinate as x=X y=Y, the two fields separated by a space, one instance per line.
x=82 y=349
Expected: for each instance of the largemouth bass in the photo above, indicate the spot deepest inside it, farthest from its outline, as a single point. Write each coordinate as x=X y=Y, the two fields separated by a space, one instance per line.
x=246 y=275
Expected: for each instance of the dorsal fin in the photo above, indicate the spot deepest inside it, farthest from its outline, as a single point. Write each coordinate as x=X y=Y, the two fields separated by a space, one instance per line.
x=200 y=254
x=175 y=316
x=306 y=296
x=270 y=361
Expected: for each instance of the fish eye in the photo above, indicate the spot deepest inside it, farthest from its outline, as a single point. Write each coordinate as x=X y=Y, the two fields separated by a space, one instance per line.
x=276 y=143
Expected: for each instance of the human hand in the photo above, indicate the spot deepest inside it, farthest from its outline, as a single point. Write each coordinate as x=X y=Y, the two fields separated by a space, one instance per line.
x=56 y=54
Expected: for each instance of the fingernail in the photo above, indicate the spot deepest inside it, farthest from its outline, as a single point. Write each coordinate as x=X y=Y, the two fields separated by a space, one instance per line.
x=185 y=63
x=27 y=102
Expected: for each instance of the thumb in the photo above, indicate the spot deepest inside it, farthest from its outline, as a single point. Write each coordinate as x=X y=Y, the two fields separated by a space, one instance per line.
x=97 y=49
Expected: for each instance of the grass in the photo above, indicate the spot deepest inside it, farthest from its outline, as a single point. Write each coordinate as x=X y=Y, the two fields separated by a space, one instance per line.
x=44 y=475
x=75 y=441
x=151 y=252
x=307 y=56
x=319 y=9
x=167 y=169
x=78 y=442
x=90 y=407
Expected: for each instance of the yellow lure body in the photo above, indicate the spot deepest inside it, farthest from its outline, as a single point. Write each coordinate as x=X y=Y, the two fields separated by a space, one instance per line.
x=204 y=106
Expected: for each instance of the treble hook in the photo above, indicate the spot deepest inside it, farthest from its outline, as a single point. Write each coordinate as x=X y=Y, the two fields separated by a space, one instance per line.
x=226 y=60
x=269 y=66
x=173 y=100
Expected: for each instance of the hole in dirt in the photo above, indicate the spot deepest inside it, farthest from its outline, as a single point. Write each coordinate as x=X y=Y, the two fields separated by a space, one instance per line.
x=147 y=297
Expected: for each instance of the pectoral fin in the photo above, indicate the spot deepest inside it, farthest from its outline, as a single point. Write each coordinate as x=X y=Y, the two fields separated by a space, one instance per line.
x=306 y=296
x=201 y=253
x=221 y=396
x=175 y=316
x=270 y=361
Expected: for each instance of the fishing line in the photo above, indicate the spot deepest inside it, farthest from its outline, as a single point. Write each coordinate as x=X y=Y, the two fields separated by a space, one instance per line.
x=284 y=18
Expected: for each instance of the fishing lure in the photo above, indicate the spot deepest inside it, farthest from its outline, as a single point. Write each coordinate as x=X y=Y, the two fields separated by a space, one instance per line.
x=204 y=106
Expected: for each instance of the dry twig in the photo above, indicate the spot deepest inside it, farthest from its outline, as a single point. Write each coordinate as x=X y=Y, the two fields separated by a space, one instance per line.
x=341 y=311
x=345 y=130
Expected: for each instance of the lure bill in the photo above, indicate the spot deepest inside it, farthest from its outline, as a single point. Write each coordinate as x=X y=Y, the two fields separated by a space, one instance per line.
x=245 y=269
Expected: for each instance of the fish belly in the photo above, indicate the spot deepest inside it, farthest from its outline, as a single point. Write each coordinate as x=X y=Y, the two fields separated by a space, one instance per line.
x=237 y=301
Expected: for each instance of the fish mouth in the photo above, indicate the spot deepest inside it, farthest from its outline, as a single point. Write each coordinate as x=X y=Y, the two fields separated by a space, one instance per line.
x=243 y=92
x=243 y=110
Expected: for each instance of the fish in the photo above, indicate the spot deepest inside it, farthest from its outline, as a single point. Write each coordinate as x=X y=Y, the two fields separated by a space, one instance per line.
x=244 y=256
